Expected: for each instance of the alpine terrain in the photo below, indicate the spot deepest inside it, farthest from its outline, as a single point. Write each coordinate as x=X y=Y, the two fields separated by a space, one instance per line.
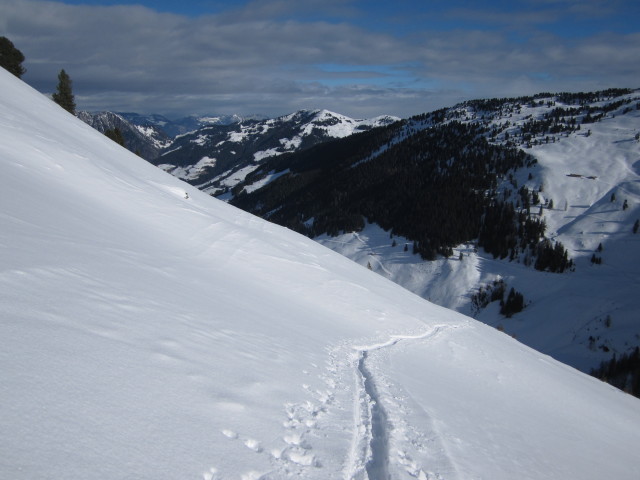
x=150 y=331
x=216 y=153
x=522 y=213
x=216 y=158
x=145 y=136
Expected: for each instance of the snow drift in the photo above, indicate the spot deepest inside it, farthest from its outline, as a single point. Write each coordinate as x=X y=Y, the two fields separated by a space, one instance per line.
x=149 y=331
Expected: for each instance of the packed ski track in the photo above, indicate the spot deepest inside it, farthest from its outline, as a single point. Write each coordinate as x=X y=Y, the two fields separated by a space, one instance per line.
x=384 y=442
x=384 y=434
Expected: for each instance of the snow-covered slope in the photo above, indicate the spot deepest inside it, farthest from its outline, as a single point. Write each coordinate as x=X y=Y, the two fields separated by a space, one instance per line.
x=149 y=331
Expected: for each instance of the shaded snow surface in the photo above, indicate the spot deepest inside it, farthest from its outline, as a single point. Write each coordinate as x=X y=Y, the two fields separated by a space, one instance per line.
x=151 y=332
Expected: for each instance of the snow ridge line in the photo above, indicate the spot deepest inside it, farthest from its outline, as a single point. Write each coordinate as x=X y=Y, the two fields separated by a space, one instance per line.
x=369 y=456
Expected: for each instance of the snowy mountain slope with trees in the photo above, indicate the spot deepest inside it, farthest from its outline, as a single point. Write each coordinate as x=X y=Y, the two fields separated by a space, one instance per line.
x=511 y=187
x=216 y=153
x=583 y=180
x=151 y=135
x=150 y=331
x=217 y=157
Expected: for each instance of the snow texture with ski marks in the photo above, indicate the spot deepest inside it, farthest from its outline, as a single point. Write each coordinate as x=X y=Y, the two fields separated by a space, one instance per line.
x=152 y=332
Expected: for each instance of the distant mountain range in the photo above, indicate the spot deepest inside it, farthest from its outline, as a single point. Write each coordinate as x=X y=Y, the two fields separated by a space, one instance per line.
x=183 y=125
x=144 y=136
x=217 y=152
x=149 y=135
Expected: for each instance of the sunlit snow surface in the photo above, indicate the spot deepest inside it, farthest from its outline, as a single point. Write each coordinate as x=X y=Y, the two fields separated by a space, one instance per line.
x=151 y=332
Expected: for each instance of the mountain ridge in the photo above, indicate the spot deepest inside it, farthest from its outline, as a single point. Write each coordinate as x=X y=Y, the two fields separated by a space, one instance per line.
x=216 y=158
x=217 y=152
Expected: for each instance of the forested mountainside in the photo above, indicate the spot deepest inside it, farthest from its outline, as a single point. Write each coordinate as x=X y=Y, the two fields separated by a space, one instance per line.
x=437 y=188
x=439 y=180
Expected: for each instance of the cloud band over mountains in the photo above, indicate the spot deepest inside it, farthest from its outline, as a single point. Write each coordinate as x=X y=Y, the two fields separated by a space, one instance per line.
x=274 y=57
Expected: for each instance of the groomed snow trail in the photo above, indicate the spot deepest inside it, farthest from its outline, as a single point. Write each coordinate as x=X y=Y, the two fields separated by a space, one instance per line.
x=375 y=416
x=377 y=465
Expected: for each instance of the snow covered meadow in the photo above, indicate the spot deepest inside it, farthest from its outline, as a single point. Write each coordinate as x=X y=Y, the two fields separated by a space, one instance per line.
x=149 y=331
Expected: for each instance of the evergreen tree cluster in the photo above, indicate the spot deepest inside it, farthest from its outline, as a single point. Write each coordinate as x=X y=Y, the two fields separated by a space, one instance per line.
x=64 y=95
x=487 y=294
x=623 y=372
x=591 y=97
x=510 y=232
x=506 y=232
x=495 y=293
x=115 y=134
x=432 y=188
x=11 y=58
x=552 y=257
x=513 y=304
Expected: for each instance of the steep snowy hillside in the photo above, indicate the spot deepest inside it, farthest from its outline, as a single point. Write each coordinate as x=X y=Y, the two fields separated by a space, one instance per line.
x=218 y=157
x=151 y=332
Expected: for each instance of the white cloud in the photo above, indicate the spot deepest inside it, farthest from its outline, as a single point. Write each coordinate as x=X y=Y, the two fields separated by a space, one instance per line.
x=263 y=58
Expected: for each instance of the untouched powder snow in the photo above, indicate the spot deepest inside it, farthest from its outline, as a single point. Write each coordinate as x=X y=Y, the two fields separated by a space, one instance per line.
x=151 y=332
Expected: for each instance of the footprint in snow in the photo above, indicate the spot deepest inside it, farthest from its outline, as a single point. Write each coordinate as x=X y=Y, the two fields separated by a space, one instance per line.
x=230 y=434
x=293 y=439
x=252 y=475
x=252 y=444
x=211 y=474
x=301 y=457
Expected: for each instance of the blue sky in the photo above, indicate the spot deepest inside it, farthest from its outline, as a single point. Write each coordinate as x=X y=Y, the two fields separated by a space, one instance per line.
x=356 y=57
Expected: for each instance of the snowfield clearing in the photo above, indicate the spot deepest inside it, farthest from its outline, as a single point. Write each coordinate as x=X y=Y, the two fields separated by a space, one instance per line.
x=151 y=332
